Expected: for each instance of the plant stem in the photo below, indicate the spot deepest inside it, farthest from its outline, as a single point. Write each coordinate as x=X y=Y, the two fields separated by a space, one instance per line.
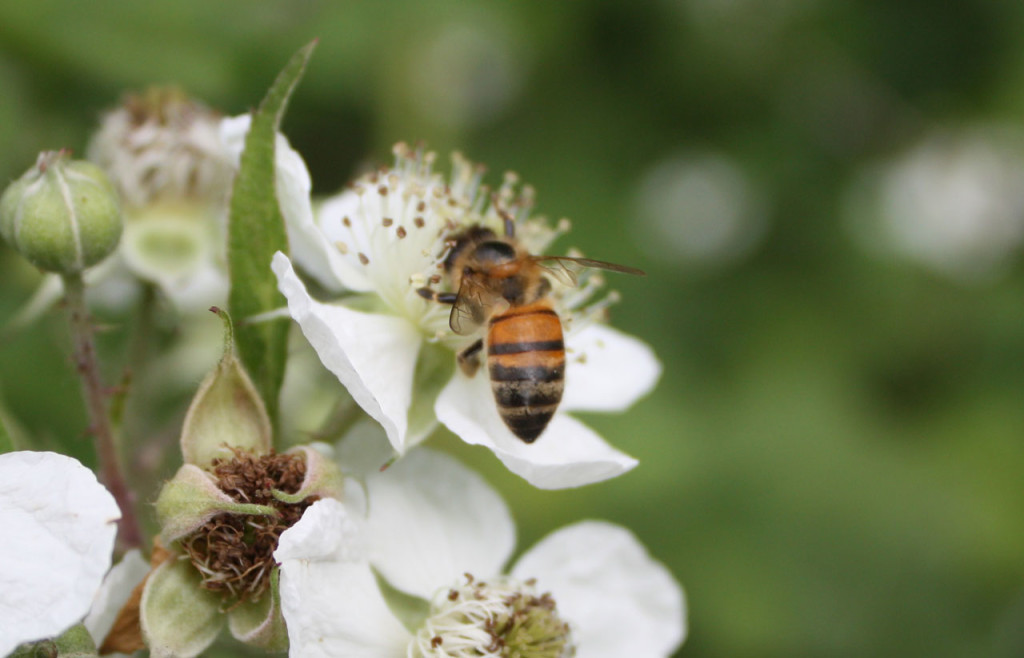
x=87 y=365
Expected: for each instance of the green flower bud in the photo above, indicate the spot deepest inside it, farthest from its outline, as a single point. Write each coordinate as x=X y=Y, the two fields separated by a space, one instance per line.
x=63 y=215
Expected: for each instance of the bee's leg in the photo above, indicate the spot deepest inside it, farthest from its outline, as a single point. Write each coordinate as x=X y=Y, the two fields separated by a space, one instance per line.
x=439 y=297
x=510 y=224
x=469 y=358
x=537 y=292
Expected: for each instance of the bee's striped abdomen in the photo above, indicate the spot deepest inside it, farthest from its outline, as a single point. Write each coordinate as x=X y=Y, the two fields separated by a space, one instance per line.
x=526 y=360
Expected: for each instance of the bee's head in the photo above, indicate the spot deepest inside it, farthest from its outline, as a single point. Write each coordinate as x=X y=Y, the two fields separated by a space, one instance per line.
x=480 y=249
x=493 y=253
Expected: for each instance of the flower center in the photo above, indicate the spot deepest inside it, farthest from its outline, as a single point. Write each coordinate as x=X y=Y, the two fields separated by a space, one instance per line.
x=234 y=553
x=501 y=618
x=394 y=228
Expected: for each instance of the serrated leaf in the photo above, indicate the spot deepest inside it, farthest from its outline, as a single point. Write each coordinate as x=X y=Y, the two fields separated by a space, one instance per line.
x=256 y=230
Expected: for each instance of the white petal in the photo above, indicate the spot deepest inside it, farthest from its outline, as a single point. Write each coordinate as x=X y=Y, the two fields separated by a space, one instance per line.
x=619 y=601
x=567 y=454
x=344 y=270
x=432 y=519
x=364 y=449
x=373 y=355
x=329 y=595
x=114 y=593
x=111 y=285
x=232 y=132
x=607 y=370
x=380 y=242
x=59 y=526
x=328 y=530
x=206 y=287
x=308 y=244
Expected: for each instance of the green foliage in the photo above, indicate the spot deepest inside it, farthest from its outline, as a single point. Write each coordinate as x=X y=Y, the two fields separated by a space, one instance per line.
x=6 y=442
x=832 y=463
x=74 y=643
x=255 y=232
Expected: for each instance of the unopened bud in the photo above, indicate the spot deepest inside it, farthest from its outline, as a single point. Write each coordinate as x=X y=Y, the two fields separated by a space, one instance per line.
x=63 y=215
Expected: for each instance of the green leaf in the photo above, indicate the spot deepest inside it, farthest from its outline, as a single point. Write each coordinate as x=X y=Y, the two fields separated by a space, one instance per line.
x=256 y=231
x=6 y=439
x=6 y=442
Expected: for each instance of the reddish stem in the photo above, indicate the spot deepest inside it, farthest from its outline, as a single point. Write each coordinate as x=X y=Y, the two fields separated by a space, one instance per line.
x=87 y=365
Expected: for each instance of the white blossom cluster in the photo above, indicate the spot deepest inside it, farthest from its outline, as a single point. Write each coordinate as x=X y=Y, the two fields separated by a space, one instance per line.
x=410 y=556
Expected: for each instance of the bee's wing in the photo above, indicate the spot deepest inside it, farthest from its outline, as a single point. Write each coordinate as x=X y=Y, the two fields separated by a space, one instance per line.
x=565 y=268
x=473 y=306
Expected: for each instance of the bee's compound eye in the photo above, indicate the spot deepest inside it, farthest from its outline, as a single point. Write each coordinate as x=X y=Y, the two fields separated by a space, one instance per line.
x=494 y=253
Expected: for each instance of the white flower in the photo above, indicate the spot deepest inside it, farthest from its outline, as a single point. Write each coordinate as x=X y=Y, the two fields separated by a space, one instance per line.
x=173 y=161
x=953 y=203
x=59 y=526
x=440 y=537
x=385 y=238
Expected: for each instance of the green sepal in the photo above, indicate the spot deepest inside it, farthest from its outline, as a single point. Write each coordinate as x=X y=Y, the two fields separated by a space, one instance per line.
x=323 y=478
x=411 y=610
x=73 y=643
x=260 y=623
x=191 y=498
x=226 y=412
x=256 y=230
x=179 y=618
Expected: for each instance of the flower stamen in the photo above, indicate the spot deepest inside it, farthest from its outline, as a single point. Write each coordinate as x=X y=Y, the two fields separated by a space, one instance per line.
x=500 y=618
x=234 y=552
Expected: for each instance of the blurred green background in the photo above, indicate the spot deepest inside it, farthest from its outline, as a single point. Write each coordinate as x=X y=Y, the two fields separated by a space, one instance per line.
x=828 y=198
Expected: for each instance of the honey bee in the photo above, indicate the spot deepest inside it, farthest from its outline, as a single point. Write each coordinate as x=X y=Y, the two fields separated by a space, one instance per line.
x=501 y=285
